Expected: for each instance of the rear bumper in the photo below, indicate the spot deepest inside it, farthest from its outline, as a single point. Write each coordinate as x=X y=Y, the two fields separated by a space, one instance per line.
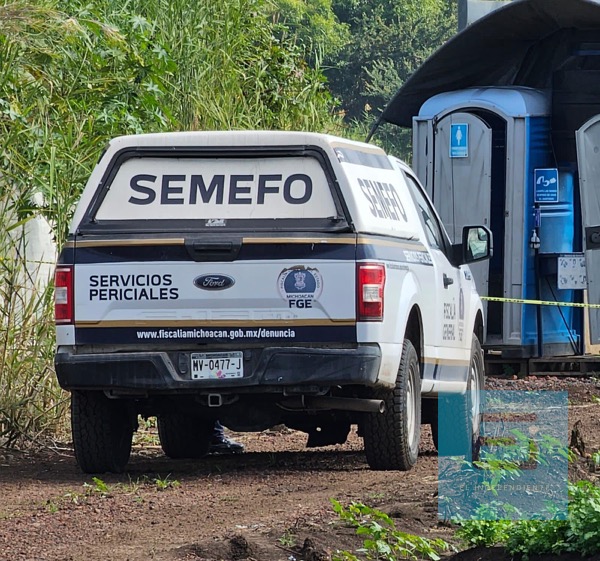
x=270 y=369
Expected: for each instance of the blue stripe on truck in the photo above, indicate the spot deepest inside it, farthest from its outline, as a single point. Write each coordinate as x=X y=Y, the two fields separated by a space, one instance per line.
x=212 y=334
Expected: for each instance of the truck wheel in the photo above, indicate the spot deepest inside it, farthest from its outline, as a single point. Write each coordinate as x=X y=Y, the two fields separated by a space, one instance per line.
x=102 y=432
x=184 y=436
x=392 y=438
x=475 y=385
x=464 y=411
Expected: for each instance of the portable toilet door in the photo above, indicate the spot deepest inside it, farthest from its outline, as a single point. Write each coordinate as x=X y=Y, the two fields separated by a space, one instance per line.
x=463 y=151
x=588 y=162
x=449 y=151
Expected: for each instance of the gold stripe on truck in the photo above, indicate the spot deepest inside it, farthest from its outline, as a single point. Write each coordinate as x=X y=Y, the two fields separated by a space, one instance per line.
x=118 y=243
x=404 y=244
x=333 y=239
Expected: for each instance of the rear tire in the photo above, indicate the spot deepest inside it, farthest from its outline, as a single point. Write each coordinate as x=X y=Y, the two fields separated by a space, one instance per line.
x=102 y=432
x=392 y=438
x=184 y=436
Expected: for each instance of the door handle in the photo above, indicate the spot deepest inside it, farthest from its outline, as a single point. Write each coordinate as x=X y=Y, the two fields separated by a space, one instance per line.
x=213 y=249
x=447 y=281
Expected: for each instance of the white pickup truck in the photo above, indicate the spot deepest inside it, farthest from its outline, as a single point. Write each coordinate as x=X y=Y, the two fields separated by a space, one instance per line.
x=261 y=278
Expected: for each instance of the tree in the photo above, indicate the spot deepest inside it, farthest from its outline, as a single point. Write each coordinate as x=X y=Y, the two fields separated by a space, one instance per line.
x=313 y=25
x=390 y=40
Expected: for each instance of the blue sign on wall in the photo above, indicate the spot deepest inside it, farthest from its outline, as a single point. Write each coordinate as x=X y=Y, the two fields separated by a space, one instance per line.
x=459 y=140
x=546 y=185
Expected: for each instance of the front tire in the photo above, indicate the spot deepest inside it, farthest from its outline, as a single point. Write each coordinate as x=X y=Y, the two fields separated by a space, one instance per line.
x=184 y=436
x=392 y=438
x=463 y=412
x=102 y=432
x=475 y=385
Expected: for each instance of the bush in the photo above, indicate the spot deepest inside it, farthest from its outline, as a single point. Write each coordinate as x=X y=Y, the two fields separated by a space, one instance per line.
x=579 y=533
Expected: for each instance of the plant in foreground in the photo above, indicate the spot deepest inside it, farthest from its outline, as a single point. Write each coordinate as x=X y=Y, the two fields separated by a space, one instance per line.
x=287 y=539
x=99 y=487
x=164 y=483
x=381 y=539
x=579 y=533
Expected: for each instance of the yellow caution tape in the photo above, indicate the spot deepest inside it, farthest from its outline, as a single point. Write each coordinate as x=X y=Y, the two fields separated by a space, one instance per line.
x=539 y=302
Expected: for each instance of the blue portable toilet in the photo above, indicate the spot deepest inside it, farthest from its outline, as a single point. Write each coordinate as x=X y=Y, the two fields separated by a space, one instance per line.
x=506 y=132
x=468 y=146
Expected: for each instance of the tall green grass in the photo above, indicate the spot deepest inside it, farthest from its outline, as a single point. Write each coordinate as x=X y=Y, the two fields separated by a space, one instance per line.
x=31 y=403
x=68 y=83
x=75 y=73
x=233 y=69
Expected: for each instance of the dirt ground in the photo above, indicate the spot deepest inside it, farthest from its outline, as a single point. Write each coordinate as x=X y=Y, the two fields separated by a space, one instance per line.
x=259 y=505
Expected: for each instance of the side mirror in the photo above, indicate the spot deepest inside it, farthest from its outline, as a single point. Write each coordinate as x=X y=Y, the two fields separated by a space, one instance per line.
x=476 y=245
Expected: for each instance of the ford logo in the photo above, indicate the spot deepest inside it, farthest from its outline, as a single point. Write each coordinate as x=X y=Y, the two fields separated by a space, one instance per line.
x=214 y=282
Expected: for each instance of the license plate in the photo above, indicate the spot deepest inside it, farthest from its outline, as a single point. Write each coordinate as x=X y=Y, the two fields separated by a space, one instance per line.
x=216 y=366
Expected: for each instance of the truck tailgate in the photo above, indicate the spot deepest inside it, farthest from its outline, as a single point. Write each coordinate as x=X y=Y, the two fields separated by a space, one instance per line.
x=158 y=291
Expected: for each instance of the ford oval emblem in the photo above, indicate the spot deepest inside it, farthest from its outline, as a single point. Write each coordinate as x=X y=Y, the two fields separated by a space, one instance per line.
x=214 y=282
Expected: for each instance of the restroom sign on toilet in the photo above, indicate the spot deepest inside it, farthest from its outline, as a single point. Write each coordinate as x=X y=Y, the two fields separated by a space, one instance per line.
x=459 y=140
x=546 y=185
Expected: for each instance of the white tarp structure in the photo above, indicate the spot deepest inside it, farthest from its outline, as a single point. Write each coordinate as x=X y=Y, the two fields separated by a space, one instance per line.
x=28 y=256
x=472 y=10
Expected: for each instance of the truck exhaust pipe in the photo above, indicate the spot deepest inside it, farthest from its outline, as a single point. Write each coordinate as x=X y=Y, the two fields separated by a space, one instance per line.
x=325 y=403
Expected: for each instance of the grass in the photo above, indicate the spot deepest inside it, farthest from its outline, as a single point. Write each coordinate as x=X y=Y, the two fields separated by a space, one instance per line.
x=31 y=403
x=147 y=433
x=230 y=71
x=288 y=539
x=100 y=489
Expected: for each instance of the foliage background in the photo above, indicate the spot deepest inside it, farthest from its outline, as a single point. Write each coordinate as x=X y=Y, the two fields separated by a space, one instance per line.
x=75 y=73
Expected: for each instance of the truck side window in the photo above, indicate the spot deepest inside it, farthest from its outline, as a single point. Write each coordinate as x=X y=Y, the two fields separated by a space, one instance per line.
x=433 y=229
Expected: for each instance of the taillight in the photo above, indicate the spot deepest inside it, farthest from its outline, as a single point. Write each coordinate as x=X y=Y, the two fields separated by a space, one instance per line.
x=63 y=295
x=370 y=287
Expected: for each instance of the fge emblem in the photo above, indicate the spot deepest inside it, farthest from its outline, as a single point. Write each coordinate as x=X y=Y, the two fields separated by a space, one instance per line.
x=300 y=286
